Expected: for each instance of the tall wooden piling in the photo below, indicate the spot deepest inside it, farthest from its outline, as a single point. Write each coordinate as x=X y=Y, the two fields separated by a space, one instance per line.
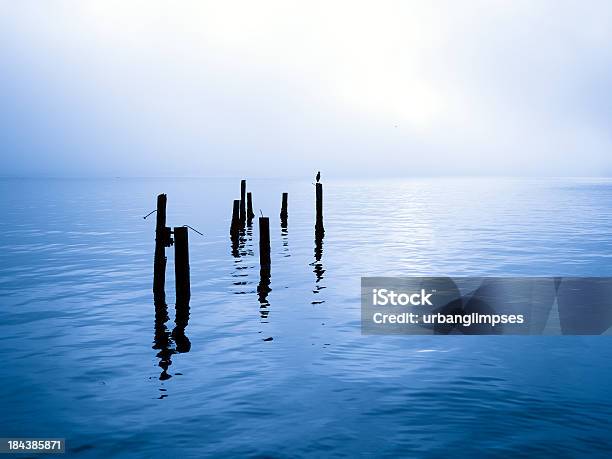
x=264 y=243
x=162 y=240
x=319 y=223
x=181 y=265
x=162 y=199
x=250 y=213
x=242 y=202
x=284 y=214
x=235 y=226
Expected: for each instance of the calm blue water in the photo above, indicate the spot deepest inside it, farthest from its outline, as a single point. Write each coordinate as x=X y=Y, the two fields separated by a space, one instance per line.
x=85 y=357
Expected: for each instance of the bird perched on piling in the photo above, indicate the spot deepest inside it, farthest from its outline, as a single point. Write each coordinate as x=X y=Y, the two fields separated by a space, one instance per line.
x=318 y=176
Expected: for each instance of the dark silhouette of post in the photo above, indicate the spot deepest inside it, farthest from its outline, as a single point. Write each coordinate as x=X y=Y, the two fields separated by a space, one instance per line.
x=319 y=224
x=181 y=265
x=284 y=214
x=235 y=226
x=250 y=213
x=264 y=243
x=242 y=202
x=263 y=288
x=162 y=240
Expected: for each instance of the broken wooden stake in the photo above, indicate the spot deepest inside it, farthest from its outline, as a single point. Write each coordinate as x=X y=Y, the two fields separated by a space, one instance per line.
x=242 y=202
x=235 y=226
x=284 y=214
x=264 y=243
x=250 y=213
x=319 y=223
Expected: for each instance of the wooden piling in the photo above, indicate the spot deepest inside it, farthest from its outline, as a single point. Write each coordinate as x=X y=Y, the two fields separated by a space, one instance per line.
x=284 y=214
x=162 y=240
x=181 y=264
x=264 y=243
x=162 y=199
x=242 y=202
x=235 y=226
x=250 y=213
x=319 y=223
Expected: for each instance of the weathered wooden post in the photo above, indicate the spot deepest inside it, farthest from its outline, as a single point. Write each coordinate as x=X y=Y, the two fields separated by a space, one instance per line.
x=319 y=224
x=264 y=243
x=162 y=240
x=235 y=226
x=242 y=202
x=250 y=213
x=284 y=214
x=162 y=199
x=181 y=265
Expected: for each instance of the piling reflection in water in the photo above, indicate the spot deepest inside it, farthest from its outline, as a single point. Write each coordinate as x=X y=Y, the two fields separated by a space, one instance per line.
x=235 y=242
x=238 y=236
x=242 y=240
x=318 y=265
x=248 y=241
x=161 y=338
x=242 y=247
x=166 y=342
x=181 y=320
x=285 y=241
x=263 y=289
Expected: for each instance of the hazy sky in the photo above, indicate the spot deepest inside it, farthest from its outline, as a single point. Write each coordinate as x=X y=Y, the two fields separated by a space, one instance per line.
x=267 y=88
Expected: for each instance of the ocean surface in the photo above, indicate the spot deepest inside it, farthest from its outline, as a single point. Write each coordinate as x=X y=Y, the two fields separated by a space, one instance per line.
x=88 y=356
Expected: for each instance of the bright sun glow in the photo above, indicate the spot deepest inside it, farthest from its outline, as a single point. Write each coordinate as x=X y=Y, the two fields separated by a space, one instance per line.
x=478 y=86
